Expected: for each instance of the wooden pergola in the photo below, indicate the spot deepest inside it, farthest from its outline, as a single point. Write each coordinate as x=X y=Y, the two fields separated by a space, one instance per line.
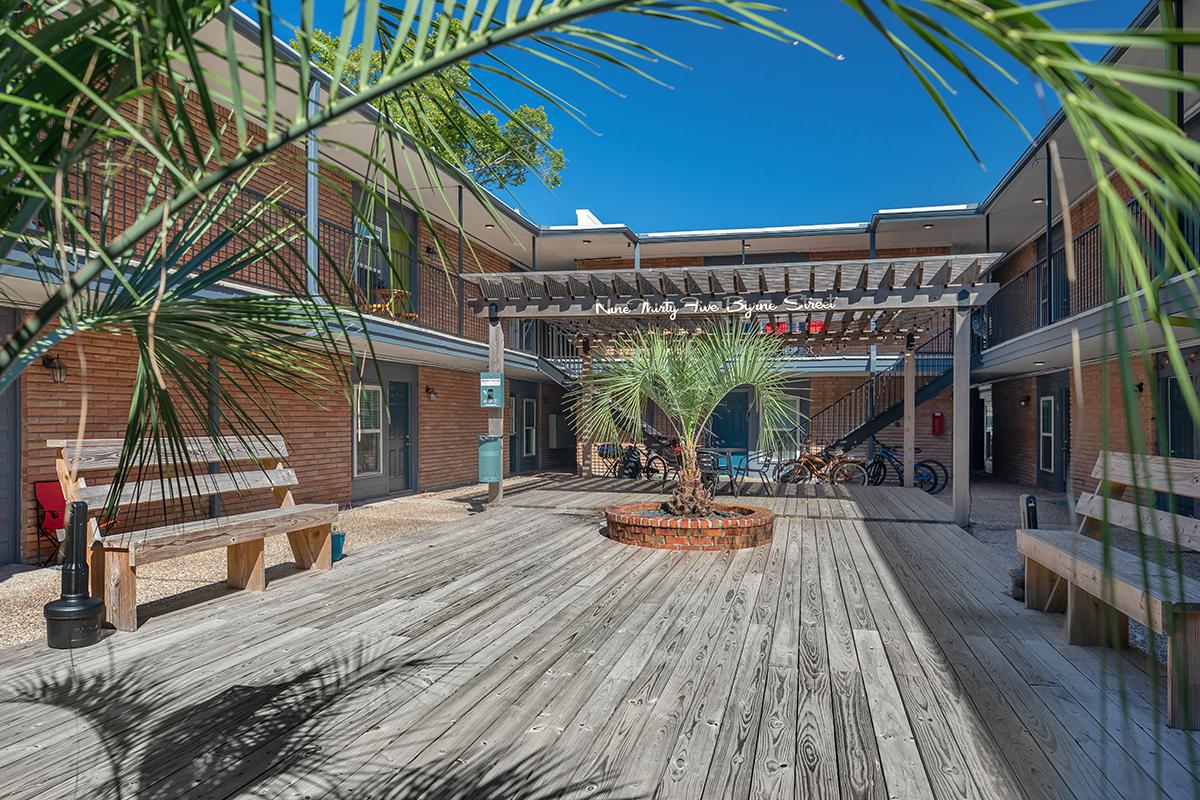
x=865 y=300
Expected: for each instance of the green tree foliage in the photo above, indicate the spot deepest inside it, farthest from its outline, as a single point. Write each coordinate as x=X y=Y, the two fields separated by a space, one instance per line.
x=496 y=154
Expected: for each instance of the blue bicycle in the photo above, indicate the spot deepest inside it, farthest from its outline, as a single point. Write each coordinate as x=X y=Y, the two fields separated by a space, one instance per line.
x=928 y=474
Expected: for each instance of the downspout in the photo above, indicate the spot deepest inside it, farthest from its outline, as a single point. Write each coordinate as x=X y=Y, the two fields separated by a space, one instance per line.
x=637 y=255
x=462 y=307
x=311 y=184
x=214 y=427
x=533 y=251
x=987 y=232
x=743 y=251
x=1044 y=285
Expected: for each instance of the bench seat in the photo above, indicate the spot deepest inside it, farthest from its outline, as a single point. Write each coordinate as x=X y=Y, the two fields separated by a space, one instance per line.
x=1079 y=560
x=169 y=541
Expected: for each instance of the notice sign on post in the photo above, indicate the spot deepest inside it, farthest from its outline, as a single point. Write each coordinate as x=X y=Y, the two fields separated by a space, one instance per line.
x=491 y=390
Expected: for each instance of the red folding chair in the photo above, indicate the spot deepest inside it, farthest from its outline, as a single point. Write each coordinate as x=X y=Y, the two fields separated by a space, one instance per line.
x=52 y=516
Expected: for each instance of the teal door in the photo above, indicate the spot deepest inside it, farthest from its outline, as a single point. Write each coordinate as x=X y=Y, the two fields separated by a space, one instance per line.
x=731 y=421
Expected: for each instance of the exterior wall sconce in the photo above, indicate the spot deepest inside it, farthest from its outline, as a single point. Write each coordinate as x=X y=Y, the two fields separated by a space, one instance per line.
x=58 y=370
x=1025 y=401
x=430 y=392
x=1141 y=387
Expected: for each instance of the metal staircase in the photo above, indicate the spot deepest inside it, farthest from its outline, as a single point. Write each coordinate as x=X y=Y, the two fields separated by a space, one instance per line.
x=879 y=401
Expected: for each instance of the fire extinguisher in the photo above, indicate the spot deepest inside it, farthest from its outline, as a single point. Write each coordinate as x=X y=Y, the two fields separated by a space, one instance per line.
x=939 y=423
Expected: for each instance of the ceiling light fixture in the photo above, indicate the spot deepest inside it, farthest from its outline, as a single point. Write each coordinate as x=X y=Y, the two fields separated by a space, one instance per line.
x=1039 y=363
x=489 y=227
x=928 y=225
x=587 y=241
x=1037 y=201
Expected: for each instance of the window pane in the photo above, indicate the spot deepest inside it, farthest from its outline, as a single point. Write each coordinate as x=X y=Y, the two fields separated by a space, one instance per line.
x=530 y=414
x=368 y=453
x=1047 y=454
x=1047 y=415
x=369 y=408
x=530 y=441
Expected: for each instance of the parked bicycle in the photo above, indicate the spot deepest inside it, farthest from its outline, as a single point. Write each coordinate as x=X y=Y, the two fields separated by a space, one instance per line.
x=829 y=466
x=928 y=474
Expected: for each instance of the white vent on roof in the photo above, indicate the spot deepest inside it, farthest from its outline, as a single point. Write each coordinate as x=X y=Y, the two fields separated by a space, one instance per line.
x=584 y=218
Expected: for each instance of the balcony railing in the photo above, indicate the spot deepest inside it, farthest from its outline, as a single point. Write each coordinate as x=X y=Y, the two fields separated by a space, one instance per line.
x=405 y=288
x=1042 y=295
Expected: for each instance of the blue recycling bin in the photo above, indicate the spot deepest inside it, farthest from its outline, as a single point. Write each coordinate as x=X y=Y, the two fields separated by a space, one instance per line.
x=491 y=458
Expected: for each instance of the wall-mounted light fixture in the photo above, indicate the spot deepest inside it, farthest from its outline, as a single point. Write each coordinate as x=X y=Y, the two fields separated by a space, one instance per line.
x=430 y=392
x=1025 y=401
x=58 y=370
x=429 y=250
x=1141 y=387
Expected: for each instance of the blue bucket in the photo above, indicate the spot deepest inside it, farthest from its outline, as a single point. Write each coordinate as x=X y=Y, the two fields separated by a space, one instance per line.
x=338 y=545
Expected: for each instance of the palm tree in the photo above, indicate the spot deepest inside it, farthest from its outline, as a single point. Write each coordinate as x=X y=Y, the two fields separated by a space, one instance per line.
x=686 y=377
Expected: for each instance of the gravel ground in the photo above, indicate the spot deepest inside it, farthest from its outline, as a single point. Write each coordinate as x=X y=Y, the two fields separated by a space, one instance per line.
x=25 y=589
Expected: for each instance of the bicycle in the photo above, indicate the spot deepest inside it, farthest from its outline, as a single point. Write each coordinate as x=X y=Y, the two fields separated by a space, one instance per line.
x=928 y=474
x=825 y=467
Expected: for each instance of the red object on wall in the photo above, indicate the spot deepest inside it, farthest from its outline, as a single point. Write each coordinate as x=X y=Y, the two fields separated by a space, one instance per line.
x=816 y=326
x=775 y=327
x=939 y=423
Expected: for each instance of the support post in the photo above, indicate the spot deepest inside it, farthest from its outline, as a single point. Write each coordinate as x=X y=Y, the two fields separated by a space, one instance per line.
x=311 y=184
x=637 y=255
x=496 y=415
x=910 y=415
x=214 y=426
x=871 y=398
x=583 y=446
x=961 y=426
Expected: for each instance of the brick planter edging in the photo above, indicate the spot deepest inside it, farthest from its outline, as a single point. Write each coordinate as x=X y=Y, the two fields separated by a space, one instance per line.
x=627 y=525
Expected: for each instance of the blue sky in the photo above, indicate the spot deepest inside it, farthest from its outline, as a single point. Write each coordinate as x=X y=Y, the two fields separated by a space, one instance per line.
x=760 y=133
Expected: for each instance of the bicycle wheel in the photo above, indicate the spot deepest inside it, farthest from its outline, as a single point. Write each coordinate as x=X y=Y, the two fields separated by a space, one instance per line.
x=656 y=468
x=877 y=471
x=788 y=471
x=849 y=472
x=924 y=478
x=939 y=470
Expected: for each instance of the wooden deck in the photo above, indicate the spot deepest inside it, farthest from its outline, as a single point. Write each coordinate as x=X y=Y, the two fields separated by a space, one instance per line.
x=523 y=655
x=817 y=501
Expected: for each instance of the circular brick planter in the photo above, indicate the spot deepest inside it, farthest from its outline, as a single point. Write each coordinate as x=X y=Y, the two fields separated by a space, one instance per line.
x=750 y=528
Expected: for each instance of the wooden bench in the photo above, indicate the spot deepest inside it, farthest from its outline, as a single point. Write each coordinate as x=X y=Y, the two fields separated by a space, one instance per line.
x=1066 y=571
x=114 y=558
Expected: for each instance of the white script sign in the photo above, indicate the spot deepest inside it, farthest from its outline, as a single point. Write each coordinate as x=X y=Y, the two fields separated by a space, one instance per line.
x=727 y=305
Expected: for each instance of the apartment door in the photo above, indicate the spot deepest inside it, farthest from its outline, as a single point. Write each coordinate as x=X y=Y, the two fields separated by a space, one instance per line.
x=1179 y=436
x=10 y=460
x=399 y=439
x=731 y=421
x=1053 y=432
x=524 y=433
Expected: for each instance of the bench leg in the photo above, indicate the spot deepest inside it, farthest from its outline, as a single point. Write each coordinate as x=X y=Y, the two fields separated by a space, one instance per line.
x=245 y=562
x=1092 y=622
x=118 y=581
x=1183 y=672
x=312 y=547
x=1043 y=589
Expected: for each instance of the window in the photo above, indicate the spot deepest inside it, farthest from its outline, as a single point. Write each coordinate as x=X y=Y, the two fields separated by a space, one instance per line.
x=529 y=426
x=368 y=431
x=368 y=259
x=790 y=430
x=512 y=416
x=1046 y=434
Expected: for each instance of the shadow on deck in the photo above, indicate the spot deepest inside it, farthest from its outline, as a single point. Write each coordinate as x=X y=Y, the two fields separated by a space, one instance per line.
x=520 y=654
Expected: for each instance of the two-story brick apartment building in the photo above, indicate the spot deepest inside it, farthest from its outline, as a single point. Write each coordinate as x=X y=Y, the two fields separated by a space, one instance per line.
x=412 y=420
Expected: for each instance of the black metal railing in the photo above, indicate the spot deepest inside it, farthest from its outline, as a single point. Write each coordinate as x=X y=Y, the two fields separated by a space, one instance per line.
x=934 y=358
x=1042 y=295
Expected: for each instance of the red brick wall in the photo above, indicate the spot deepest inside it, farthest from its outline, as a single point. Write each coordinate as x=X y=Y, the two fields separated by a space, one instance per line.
x=315 y=425
x=1014 y=432
x=450 y=427
x=1091 y=432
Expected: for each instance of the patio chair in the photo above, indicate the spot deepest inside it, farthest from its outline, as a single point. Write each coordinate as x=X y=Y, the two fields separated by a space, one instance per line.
x=52 y=516
x=756 y=462
x=714 y=467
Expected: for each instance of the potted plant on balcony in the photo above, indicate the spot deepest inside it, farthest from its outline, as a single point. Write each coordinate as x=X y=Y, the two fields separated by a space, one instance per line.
x=686 y=376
